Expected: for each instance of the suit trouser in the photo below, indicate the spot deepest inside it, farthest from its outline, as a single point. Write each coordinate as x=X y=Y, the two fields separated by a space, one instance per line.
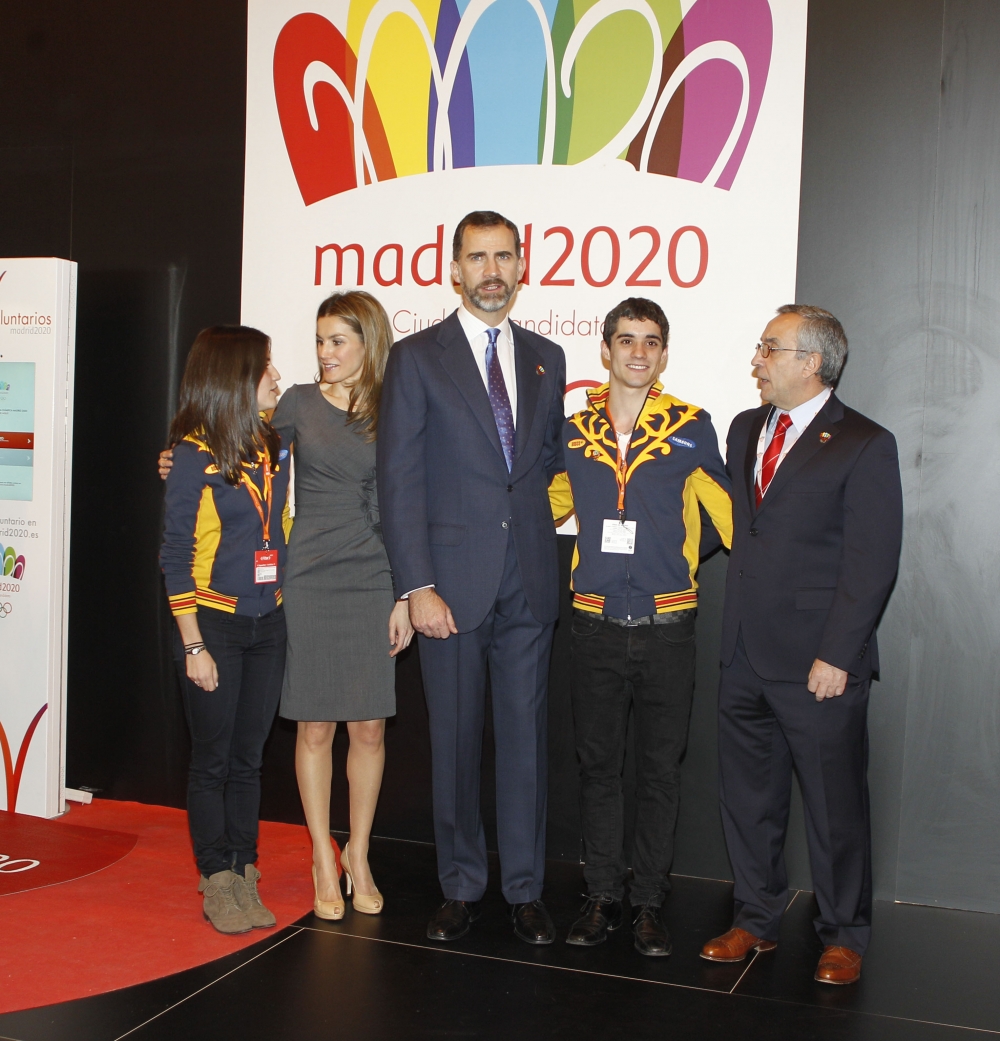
x=767 y=728
x=515 y=647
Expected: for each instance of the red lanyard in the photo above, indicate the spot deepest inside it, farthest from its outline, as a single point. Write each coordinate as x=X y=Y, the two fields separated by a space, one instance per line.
x=621 y=466
x=621 y=462
x=255 y=498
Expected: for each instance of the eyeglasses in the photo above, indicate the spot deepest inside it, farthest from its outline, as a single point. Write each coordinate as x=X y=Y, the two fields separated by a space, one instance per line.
x=764 y=349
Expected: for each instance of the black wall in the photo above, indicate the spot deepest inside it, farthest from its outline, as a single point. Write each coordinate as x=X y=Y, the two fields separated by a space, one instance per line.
x=121 y=147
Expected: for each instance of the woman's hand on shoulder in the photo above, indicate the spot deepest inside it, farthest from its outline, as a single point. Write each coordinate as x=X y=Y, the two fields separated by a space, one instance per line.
x=184 y=457
x=400 y=629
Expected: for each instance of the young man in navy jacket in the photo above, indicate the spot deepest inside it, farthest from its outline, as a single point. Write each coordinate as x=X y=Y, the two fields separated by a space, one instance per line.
x=641 y=466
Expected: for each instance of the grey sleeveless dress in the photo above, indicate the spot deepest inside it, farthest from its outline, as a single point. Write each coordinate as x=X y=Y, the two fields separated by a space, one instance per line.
x=337 y=589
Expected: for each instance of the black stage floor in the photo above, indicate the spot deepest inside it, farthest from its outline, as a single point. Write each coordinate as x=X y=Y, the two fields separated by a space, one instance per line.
x=929 y=976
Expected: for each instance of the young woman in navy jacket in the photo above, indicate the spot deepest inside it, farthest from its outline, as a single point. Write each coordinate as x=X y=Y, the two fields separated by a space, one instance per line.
x=222 y=558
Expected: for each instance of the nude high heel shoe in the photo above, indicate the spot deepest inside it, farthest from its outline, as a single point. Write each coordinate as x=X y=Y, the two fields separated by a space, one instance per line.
x=331 y=910
x=364 y=904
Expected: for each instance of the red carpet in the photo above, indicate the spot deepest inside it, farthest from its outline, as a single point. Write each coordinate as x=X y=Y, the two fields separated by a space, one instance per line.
x=138 y=918
x=35 y=852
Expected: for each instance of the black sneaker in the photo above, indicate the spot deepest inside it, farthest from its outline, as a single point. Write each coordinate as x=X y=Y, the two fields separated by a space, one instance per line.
x=601 y=914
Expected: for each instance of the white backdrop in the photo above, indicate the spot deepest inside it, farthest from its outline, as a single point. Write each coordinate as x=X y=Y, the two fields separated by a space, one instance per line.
x=743 y=98
x=37 y=336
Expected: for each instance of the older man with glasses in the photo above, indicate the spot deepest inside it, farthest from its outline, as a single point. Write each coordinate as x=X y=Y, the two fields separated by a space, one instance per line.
x=817 y=526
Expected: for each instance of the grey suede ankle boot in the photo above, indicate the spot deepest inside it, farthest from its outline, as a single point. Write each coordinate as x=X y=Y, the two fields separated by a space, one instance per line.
x=220 y=906
x=248 y=899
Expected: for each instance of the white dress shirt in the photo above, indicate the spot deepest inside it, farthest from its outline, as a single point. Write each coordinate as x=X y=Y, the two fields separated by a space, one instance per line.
x=475 y=333
x=801 y=416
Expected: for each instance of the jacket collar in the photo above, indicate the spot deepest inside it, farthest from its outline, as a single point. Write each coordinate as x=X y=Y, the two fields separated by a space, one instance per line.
x=656 y=401
x=460 y=364
x=473 y=326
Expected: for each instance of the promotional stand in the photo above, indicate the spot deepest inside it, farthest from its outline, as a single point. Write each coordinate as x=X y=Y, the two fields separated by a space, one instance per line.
x=37 y=337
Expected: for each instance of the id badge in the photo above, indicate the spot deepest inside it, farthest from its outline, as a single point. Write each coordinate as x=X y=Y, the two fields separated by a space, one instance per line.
x=265 y=566
x=618 y=537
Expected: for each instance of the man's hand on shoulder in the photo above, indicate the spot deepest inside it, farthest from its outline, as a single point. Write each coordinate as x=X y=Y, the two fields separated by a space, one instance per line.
x=826 y=681
x=430 y=615
x=165 y=462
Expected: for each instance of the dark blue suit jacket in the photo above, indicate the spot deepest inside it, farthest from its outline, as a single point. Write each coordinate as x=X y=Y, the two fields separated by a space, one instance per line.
x=810 y=571
x=447 y=503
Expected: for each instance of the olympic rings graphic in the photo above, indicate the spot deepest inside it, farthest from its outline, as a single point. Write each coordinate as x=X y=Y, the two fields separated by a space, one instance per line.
x=5 y=609
x=7 y=865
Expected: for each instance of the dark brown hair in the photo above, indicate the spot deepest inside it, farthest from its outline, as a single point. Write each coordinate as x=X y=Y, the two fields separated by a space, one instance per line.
x=641 y=310
x=483 y=219
x=366 y=316
x=218 y=399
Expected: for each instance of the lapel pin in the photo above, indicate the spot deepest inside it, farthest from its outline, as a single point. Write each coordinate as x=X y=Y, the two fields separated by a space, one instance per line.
x=540 y=369
x=824 y=437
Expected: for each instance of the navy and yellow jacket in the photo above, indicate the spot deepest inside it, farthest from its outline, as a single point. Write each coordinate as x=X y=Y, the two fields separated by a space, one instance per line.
x=212 y=530
x=673 y=466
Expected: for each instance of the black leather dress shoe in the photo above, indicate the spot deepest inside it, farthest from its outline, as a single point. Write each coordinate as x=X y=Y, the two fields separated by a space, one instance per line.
x=651 y=936
x=452 y=919
x=532 y=922
x=601 y=915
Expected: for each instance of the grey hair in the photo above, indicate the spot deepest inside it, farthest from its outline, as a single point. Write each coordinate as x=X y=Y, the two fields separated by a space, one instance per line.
x=820 y=333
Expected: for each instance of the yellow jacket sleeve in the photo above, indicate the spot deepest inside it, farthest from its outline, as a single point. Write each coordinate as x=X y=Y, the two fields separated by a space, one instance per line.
x=287 y=520
x=717 y=504
x=561 y=497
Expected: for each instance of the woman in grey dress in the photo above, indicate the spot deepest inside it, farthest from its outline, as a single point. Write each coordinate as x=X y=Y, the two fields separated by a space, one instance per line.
x=337 y=590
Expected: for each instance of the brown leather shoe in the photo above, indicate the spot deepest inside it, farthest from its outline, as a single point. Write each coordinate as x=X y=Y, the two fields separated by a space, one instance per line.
x=838 y=965
x=734 y=945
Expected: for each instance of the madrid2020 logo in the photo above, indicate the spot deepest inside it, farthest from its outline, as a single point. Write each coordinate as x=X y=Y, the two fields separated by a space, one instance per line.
x=400 y=94
x=11 y=570
x=12 y=563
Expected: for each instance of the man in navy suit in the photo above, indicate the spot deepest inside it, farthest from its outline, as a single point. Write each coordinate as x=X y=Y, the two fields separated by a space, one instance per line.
x=817 y=526
x=468 y=441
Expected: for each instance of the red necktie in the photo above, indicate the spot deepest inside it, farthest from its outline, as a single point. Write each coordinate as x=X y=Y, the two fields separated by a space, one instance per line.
x=771 y=456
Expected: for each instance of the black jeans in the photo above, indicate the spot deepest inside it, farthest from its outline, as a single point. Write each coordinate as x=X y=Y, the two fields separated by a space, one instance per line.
x=229 y=726
x=651 y=669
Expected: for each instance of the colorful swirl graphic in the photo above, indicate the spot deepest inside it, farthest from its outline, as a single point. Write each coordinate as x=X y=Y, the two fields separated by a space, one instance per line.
x=421 y=86
x=11 y=562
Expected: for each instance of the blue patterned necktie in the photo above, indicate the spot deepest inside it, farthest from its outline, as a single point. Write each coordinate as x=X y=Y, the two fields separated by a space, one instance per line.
x=499 y=400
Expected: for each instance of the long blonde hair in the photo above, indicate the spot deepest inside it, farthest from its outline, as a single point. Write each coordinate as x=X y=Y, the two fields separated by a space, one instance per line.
x=366 y=316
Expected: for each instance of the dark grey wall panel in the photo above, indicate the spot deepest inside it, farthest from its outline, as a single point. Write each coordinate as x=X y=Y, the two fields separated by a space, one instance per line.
x=949 y=843
x=865 y=235
x=899 y=237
